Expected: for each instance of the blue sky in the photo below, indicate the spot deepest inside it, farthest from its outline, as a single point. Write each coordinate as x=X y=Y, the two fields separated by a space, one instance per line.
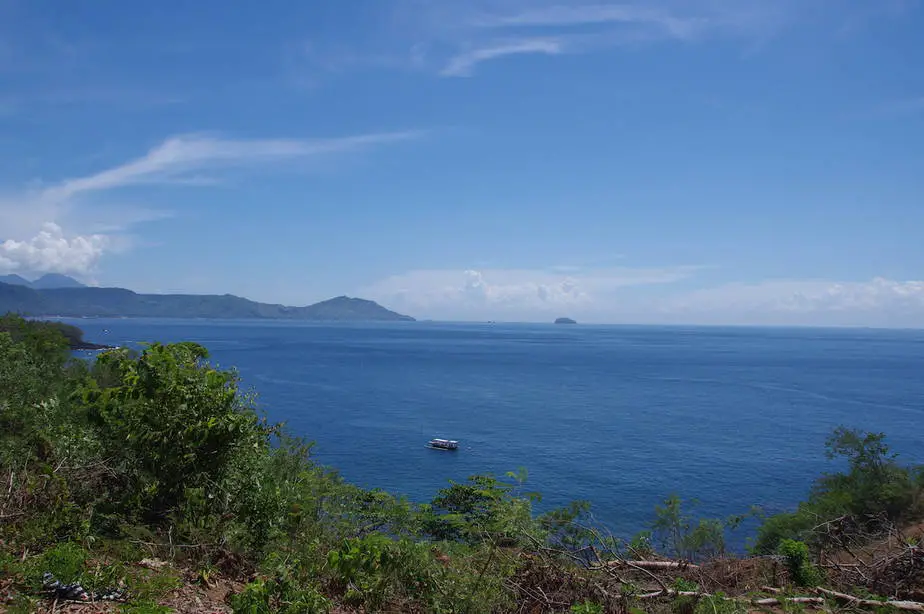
x=675 y=161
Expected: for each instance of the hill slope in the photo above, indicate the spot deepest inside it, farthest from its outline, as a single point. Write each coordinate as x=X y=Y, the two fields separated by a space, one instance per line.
x=15 y=280
x=118 y=302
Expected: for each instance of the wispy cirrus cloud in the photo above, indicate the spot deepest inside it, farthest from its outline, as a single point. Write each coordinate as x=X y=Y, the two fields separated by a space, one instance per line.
x=178 y=158
x=464 y=63
x=494 y=30
x=673 y=23
x=452 y=39
x=33 y=221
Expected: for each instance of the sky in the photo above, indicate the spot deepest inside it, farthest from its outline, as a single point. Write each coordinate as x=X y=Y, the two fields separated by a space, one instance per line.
x=659 y=161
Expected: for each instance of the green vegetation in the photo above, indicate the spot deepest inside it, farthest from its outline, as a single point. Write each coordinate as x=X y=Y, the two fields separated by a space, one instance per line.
x=798 y=562
x=875 y=491
x=157 y=455
x=19 y=330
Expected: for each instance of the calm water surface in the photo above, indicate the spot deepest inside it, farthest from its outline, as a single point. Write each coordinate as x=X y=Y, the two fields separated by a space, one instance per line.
x=619 y=416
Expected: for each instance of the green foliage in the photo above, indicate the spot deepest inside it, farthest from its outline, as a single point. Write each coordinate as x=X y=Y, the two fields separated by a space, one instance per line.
x=161 y=448
x=685 y=586
x=46 y=341
x=640 y=545
x=144 y=607
x=719 y=603
x=796 y=525
x=279 y=596
x=65 y=561
x=684 y=537
x=568 y=527
x=684 y=604
x=32 y=360
x=798 y=563
x=875 y=482
x=377 y=568
x=874 y=487
x=482 y=509
x=177 y=426
x=70 y=562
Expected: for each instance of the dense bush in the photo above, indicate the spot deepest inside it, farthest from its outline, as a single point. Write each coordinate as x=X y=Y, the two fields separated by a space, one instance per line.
x=798 y=563
x=176 y=429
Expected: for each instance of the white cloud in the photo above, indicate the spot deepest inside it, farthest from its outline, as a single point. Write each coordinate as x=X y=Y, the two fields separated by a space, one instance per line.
x=477 y=32
x=462 y=64
x=877 y=302
x=514 y=293
x=50 y=251
x=176 y=158
x=31 y=220
x=648 y=295
x=672 y=23
x=453 y=38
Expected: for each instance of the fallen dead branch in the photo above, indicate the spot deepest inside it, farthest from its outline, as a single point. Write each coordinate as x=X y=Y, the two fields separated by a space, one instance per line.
x=654 y=565
x=785 y=600
x=762 y=601
x=907 y=606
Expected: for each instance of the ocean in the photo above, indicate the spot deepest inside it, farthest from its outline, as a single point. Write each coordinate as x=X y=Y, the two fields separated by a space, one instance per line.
x=620 y=416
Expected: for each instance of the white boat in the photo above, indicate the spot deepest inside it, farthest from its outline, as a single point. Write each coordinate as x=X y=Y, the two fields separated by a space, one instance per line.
x=443 y=444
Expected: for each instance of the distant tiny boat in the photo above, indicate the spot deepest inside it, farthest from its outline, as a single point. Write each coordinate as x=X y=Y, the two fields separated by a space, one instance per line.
x=443 y=444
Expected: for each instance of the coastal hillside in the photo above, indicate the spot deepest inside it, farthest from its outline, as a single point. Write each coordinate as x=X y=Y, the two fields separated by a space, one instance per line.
x=118 y=302
x=147 y=482
x=49 y=331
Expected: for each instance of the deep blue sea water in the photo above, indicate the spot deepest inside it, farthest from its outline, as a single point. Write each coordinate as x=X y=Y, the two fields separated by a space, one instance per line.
x=620 y=416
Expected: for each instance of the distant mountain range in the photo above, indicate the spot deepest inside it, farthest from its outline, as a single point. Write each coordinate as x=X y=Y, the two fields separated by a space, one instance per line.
x=45 y=282
x=73 y=299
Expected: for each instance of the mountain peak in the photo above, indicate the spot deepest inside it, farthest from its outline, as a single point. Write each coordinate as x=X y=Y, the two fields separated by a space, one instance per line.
x=49 y=281
x=15 y=280
x=111 y=302
x=349 y=308
x=56 y=280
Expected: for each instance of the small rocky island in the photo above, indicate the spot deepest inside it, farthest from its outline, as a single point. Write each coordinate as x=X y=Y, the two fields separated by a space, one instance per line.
x=565 y=321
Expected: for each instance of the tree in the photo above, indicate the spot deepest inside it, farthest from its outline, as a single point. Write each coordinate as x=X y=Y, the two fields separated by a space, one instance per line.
x=174 y=423
x=875 y=487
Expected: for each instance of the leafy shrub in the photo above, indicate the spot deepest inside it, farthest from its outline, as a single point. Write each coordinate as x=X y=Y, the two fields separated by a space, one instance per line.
x=66 y=562
x=31 y=363
x=640 y=545
x=684 y=537
x=719 y=603
x=484 y=508
x=798 y=563
x=144 y=607
x=279 y=596
x=684 y=604
x=175 y=423
x=379 y=567
x=875 y=487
